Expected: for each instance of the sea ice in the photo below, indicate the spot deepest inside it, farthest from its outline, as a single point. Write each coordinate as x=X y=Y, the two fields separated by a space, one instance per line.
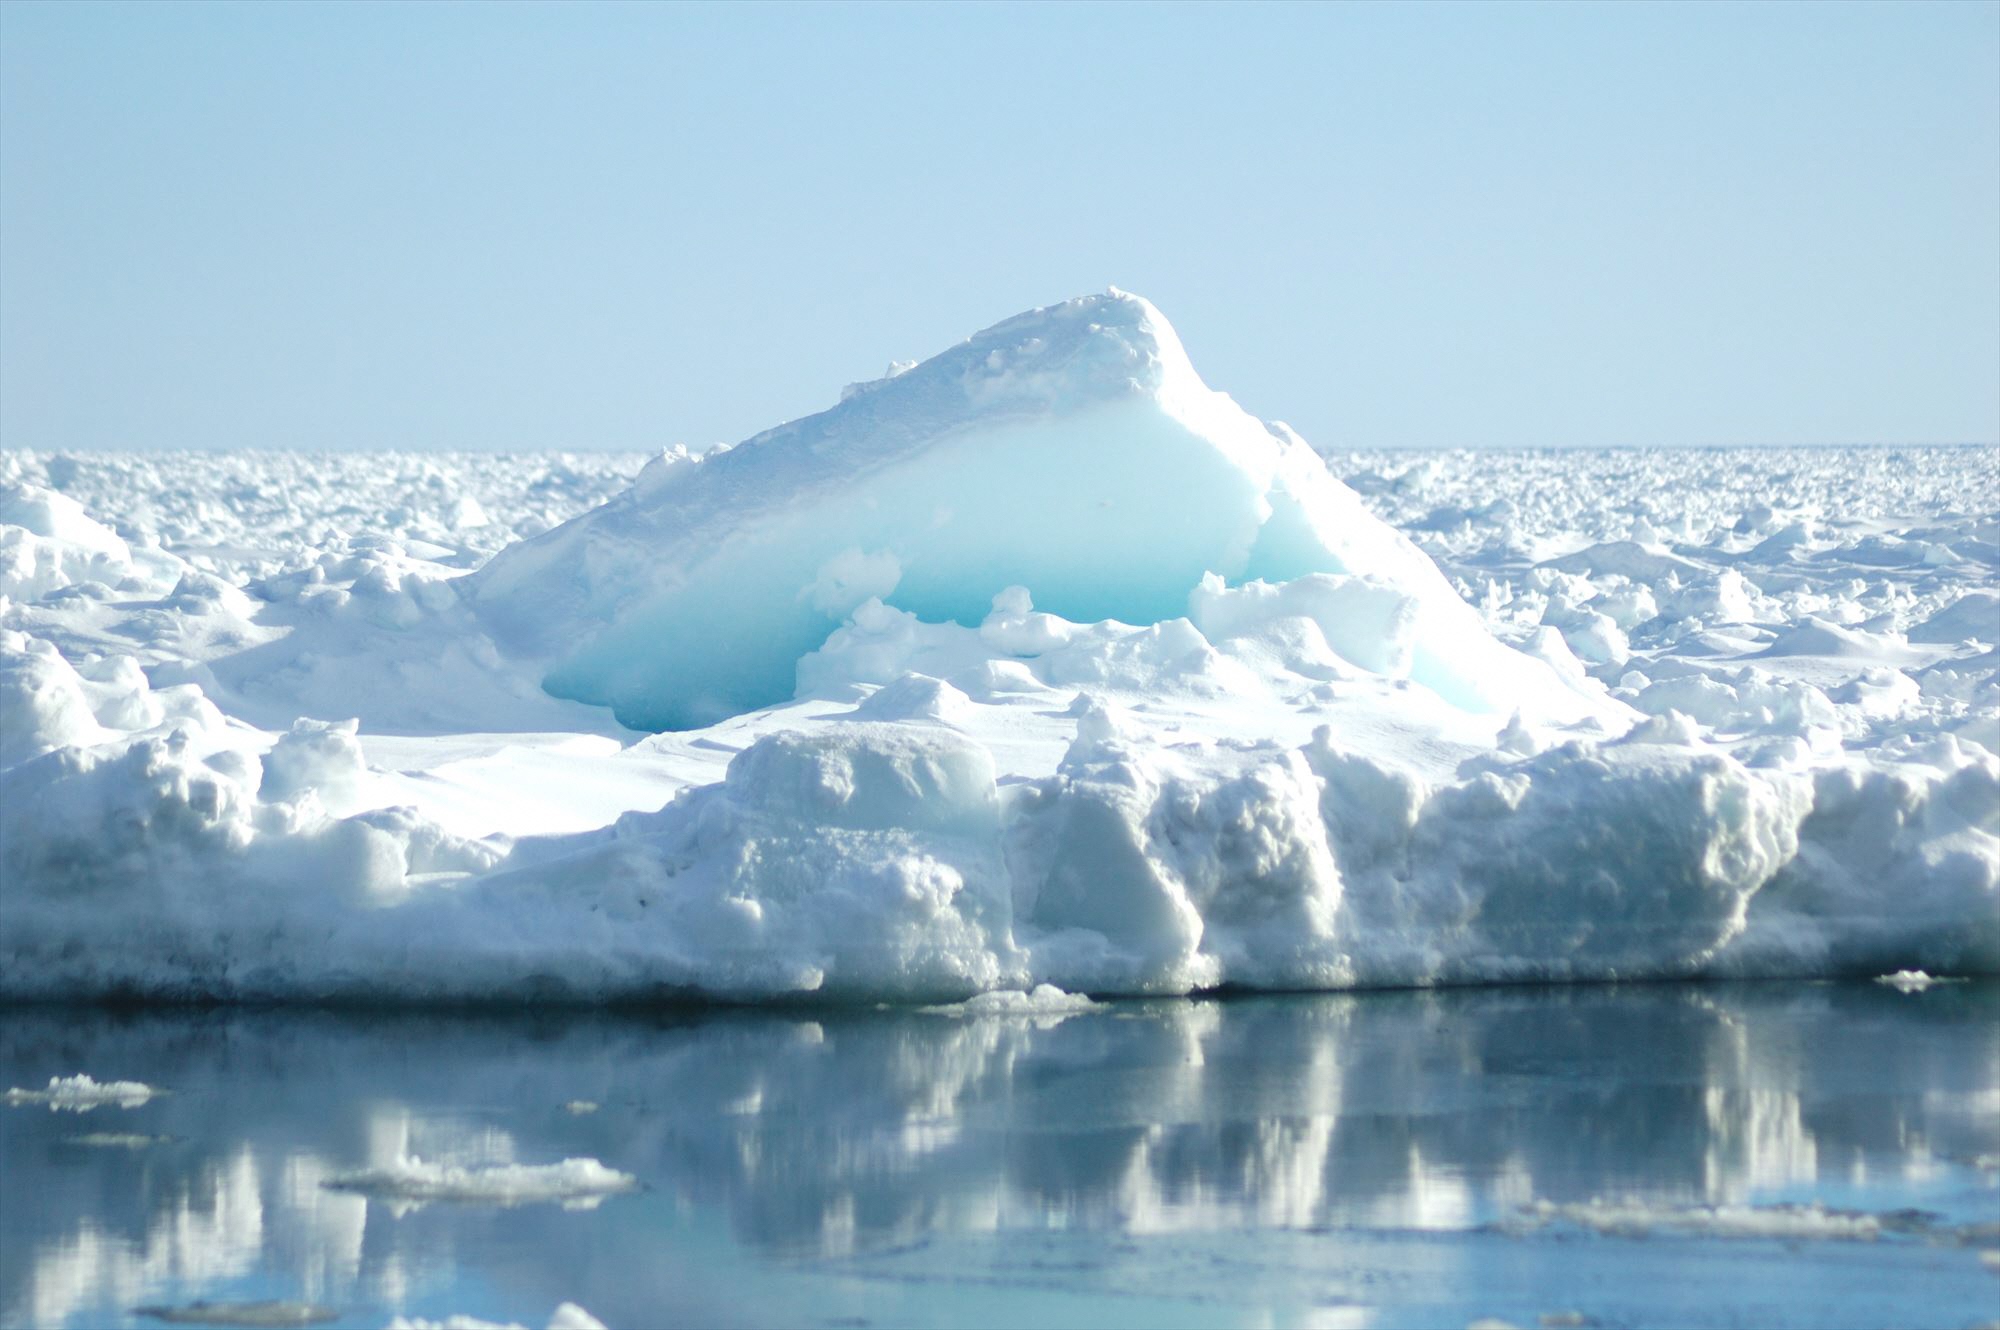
x=1038 y=663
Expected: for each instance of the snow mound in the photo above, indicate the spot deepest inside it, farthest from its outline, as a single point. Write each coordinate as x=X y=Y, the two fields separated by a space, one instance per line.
x=1042 y=1000
x=1072 y=450
x=1910 y=981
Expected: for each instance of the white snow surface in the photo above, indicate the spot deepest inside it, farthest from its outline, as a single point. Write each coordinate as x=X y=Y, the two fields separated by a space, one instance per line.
x=1038 y=663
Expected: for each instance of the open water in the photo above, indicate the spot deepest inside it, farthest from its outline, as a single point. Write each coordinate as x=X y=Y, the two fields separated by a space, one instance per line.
x=1773 y=1154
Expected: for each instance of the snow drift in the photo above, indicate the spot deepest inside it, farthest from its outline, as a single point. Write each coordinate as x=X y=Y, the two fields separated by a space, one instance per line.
x=1037 y=666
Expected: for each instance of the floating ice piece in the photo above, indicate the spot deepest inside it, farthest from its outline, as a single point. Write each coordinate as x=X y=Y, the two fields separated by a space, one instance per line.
x=576 y=1184
x=117 y=1140
x=80 y=1094
x=1042 y=1000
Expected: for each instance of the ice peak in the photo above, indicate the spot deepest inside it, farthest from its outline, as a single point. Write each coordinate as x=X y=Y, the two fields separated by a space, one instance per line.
x=1057 y=358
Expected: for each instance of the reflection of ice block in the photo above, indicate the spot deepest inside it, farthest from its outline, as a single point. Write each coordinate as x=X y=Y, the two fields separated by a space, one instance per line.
x=1335 y=1134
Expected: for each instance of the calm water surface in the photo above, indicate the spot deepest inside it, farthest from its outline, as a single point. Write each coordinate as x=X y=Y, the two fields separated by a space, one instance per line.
x=1616 y=1156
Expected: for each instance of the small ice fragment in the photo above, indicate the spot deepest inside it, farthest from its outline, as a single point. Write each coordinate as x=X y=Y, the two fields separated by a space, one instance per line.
x=1906 y=981
x=579 y=1107
x=80 y=1094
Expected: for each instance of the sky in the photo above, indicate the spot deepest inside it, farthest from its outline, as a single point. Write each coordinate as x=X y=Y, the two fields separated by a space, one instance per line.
x=524 y=226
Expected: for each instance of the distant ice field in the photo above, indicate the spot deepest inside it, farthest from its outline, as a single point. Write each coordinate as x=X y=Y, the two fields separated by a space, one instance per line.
x=1039 y=663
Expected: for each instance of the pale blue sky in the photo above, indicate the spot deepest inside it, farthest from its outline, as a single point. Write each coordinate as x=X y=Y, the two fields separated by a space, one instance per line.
x=519 y=226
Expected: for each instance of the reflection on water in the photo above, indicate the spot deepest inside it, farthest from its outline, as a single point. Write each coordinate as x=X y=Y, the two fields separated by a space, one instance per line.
x=1338 y=1159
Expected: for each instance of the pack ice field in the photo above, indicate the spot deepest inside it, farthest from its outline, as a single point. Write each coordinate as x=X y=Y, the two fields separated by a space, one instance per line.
x=1035 y=668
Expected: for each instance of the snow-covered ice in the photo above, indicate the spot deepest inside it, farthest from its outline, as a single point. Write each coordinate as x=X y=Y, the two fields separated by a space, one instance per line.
x=1037 y=663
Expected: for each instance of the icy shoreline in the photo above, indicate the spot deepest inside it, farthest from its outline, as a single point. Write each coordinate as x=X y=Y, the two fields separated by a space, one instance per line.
x=1602 y=716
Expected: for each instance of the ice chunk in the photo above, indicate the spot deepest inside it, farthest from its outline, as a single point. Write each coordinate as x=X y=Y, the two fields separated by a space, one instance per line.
x=317 y=755
x=48 y=542
x=1071 y=451
x=1907 y=981
x=43 y=702
x=80 y=1094
x=1042 y=1000
x=917 y=697
x=1367 y=621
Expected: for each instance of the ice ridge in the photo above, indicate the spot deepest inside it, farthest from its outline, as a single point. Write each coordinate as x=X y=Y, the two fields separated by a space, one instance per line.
x=1072 y=450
